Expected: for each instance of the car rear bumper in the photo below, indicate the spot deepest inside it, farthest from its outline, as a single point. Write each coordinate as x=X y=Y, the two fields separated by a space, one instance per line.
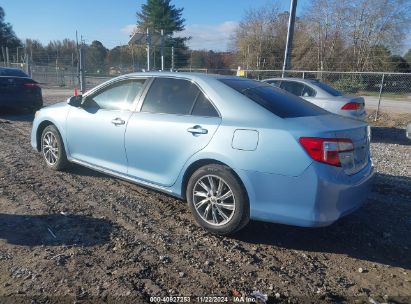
x=17 y=102
x=318 y=197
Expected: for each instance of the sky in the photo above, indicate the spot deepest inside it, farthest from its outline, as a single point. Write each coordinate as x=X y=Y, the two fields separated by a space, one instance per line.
x=209 y=22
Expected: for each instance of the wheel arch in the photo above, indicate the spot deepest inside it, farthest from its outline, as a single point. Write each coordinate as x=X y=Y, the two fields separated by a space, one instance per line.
x=44 y=124
x=203 y=162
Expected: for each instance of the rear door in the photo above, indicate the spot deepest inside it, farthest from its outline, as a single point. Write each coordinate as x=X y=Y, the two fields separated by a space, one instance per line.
x=176 y=120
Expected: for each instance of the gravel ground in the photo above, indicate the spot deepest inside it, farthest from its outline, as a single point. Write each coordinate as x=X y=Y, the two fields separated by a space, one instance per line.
x=81 y=236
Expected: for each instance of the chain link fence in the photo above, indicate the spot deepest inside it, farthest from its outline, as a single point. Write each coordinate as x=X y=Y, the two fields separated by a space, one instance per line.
x=376 y=87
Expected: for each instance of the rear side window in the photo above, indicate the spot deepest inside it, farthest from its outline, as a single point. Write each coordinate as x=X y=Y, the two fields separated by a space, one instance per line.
x=273 y=99
x=293 y=87
x=274 y=82
x=308 y=92
x=203 y=107
x=170 y=96
x=330 y=90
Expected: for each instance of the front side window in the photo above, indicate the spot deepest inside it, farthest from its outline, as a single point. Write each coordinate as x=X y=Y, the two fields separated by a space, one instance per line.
x=118 y=96
x=170 y=96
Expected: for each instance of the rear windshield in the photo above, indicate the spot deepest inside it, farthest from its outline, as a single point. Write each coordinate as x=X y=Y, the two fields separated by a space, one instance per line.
x=12 y=72
x=275 y=100
x=327 y=88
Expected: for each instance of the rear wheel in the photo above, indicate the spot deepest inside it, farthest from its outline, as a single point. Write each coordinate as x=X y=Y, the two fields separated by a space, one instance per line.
x=52 y=148
x=217 y=199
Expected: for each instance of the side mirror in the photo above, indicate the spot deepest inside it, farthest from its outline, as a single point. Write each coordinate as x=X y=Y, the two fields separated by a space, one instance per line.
x=75 y=101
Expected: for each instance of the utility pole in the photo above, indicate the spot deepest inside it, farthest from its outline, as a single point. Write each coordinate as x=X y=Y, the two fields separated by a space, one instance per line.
x=78 y=62
x=162 y=50
x=3 y=51
x=7 y=56
x=290 y=34
x=172 y=58
x=27 y=59
x=148 y=49
x=132 y=57
x=81 y=66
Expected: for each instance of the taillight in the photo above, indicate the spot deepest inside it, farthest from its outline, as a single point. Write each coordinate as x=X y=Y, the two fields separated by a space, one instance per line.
x=31 y=85
x=351 y=106
x=327 y=150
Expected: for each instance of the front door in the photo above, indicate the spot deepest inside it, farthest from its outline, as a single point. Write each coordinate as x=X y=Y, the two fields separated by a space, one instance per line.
x=95 y=131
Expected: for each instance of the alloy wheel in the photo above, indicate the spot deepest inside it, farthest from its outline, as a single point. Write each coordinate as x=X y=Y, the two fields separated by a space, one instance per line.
x=50 y=148
x=213 y=200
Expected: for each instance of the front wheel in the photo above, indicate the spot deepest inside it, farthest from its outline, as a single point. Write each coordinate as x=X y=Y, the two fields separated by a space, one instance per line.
x=52 y=148
x=217 y=199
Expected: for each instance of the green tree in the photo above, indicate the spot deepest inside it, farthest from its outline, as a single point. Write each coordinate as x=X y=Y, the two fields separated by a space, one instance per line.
x=95 y=57
x=407 y=56
x=157 y=15
x=160 y=15
x=399 y=64
x=7 y=36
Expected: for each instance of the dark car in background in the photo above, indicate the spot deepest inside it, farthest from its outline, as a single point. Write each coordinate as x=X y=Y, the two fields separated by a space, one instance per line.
x=19 y=91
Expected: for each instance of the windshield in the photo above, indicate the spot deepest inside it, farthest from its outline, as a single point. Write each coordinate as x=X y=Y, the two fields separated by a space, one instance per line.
x=275 y=100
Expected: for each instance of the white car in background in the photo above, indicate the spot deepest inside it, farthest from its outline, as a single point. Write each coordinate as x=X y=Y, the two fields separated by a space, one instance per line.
x=322 y=95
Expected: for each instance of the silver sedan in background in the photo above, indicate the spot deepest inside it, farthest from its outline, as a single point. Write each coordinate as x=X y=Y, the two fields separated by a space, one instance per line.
x=322 y=95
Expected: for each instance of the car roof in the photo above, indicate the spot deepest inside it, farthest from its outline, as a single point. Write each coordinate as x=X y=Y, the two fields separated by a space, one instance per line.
x=304 y=80
x=190 y=75
x=6 y=71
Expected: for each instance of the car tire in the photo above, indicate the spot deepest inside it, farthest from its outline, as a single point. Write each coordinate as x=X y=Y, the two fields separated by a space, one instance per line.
x=52 y=149
x=219 y=205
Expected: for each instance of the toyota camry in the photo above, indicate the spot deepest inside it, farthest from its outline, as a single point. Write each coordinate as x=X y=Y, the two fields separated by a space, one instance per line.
x=235 y=149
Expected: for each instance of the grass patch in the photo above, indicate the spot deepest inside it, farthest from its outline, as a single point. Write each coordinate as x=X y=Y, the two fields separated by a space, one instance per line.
x=384 y=94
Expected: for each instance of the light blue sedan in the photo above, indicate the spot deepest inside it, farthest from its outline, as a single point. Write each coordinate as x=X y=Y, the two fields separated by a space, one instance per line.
x=235 y=149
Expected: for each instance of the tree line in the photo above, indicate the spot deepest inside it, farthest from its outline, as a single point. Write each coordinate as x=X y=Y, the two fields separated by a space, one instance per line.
x=342 y=35
x=330 y=35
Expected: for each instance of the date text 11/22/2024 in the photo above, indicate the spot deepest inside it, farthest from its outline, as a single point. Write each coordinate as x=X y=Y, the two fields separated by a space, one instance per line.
x=205 y=299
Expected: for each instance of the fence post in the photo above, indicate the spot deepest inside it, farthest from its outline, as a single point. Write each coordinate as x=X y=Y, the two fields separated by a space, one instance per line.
x=303 y=75
x=379 y=97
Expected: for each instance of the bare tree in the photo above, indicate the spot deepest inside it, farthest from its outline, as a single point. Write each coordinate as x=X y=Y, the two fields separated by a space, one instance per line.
x=260 y=38
x=349 y=34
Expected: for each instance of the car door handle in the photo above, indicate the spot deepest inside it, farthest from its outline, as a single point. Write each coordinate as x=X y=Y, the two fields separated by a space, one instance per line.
x=118 y=121
x=197 y=130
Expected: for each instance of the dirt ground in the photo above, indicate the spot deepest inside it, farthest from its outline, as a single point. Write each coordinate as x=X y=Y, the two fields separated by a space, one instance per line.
x=80 y=236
